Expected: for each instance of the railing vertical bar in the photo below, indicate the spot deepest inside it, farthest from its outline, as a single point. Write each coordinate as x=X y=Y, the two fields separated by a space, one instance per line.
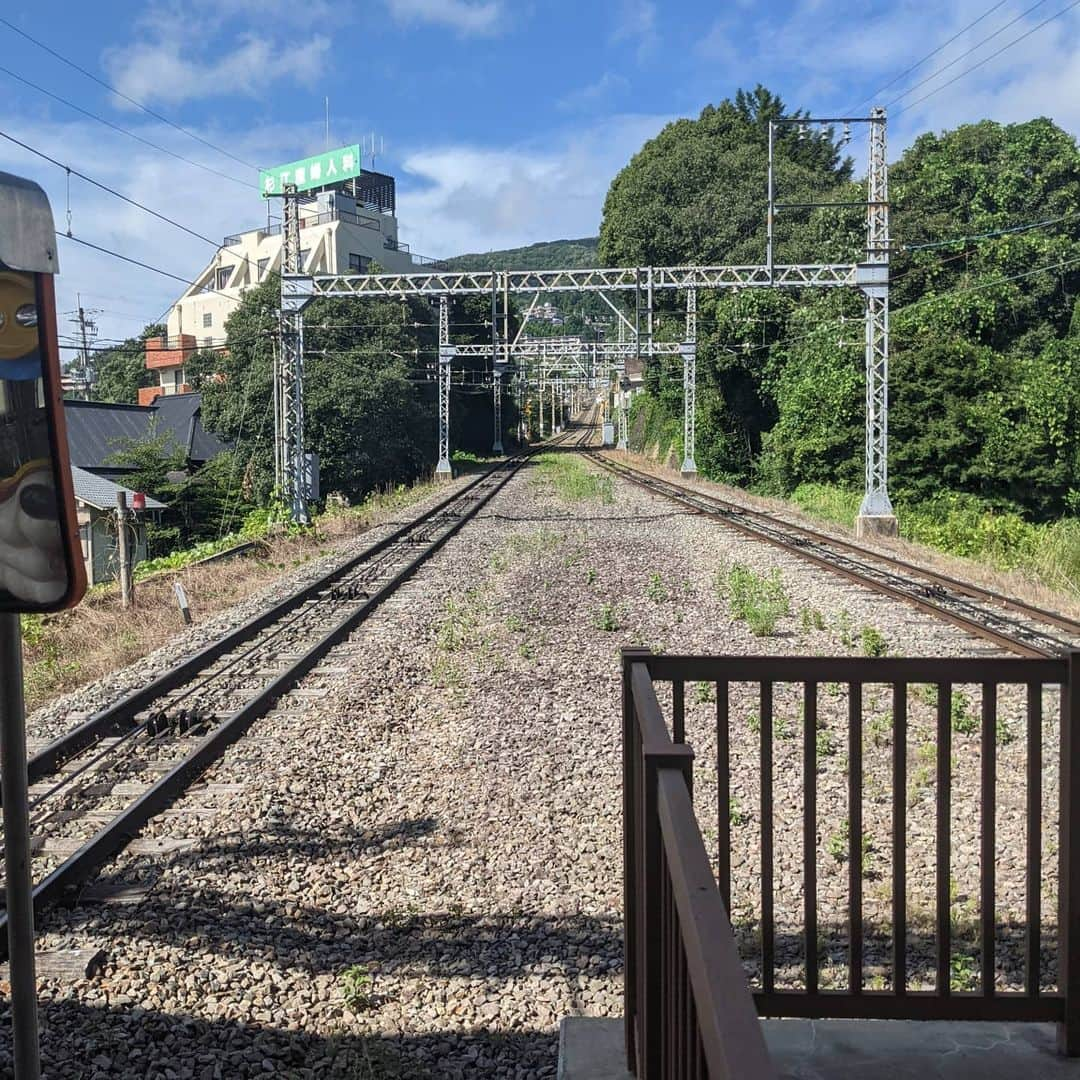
x=899 y=838
x=944 y=814
x=810 y=920
x=671 y=949
x=1034 y=840
x=723 y=793
x=631 y=886
x=767 y=929
x=855 y=839
x=678 y=711
x=988 y=805
x=1069 y=861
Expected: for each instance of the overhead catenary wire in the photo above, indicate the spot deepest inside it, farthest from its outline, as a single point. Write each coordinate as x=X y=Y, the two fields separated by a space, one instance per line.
x=122 y=130
x=109 y=190
x=933 y=52
x=120 y=94
x=985 y=60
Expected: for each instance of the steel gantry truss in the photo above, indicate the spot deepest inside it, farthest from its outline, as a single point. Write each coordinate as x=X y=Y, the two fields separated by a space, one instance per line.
x=871 y=277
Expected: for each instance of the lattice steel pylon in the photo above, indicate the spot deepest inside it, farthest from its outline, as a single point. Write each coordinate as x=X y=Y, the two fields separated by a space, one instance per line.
x=688 y=349
x=496 y=401
x=876 y=512
x=446 y=356
x=289 y=397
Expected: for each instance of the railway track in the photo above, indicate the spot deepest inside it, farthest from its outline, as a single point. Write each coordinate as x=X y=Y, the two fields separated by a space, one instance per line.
x=94 y=788
x=1019 y=627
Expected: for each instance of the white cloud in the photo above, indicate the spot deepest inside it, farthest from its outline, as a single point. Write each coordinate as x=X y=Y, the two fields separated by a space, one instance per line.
x=595 y=94
x=129 y=295
x=635 y=21
x=467 y=18
x=472 y=198
x=159 y=71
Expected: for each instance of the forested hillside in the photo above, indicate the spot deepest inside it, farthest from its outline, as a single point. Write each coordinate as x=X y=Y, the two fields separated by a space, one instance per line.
x=985 y=421
x=551 y=255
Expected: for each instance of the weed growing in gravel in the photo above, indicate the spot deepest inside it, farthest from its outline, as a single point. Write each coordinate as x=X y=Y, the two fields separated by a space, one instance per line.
x=536 y=543
x=591 y=576
x=515 y=624
x=879 y=728
x=964 y=722
x=963 y=973
x=656 y=590
x=925 y=692
x=573 y=480
x=606 y=618
x=923 y=775
x=704 y=692
x=356 y=989
x=1004 y=732
x=526 y=651
x=781 y=728
x=758 y=600
x=736 y=815
x=825 y=743
x=839 y=841
x=873 y=641
x=843 y=628
x=753 y=722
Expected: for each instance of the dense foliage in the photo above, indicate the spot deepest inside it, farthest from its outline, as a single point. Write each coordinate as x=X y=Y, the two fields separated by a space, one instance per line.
x=121 y=371
x=985 y=346
x=548 y=255
x=370 y=398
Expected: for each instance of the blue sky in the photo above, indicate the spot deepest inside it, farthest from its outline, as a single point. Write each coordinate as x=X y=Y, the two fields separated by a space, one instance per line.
x=504 y=120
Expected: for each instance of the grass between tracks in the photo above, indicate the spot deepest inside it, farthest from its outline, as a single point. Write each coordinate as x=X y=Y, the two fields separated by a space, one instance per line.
x=64 y=651
x=573 y=480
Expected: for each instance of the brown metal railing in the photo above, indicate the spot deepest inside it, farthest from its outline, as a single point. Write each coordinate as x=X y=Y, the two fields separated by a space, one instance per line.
x=1049 y=989
x=689 y=1012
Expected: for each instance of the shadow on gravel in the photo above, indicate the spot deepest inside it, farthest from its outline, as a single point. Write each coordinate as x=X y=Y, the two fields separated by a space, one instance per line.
x=312 y=926
x=85 y=1043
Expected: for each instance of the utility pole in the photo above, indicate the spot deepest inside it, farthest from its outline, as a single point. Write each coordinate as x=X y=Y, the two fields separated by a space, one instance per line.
x=291 y=365
x=689 y=376
x=87 y=330
x=446 y=356
x=123 y=550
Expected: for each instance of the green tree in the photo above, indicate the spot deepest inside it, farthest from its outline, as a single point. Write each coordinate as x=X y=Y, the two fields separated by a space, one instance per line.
x=121 y=371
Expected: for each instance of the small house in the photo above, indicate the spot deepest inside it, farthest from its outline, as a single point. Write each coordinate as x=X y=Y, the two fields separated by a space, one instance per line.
x=95 y=504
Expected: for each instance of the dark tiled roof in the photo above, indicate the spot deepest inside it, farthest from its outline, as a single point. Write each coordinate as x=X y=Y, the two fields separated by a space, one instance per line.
x=99 y=492
x=97 y=430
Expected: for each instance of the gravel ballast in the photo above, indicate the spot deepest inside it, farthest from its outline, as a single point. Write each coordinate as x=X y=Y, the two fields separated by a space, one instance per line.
x=412 y=867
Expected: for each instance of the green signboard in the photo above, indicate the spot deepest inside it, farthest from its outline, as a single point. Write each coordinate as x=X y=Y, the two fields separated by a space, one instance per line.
x=329 y=168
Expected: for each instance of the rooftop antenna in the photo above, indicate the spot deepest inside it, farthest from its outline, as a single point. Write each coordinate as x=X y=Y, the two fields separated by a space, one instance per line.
x=377 y=147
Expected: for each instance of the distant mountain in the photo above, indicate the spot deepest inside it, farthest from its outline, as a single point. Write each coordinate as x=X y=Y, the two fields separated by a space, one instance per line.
x=550 y=255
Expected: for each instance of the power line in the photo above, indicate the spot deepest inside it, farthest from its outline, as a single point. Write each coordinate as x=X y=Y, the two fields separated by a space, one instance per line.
x=117 y=127
x=933 y=52
x=143 y=265
x=985 y=60
x=105 y=187
x=120 y=94
x=987 y=284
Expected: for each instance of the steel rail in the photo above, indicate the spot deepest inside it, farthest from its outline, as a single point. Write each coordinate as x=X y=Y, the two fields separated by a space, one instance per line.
x=113 y=719
x=114 y=836
x=939 y=598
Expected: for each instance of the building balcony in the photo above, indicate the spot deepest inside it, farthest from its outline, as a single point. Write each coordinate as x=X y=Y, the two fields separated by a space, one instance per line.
x=166 y=352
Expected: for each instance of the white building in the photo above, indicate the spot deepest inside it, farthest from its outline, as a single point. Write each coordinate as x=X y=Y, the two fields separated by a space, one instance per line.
x=344 y=228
